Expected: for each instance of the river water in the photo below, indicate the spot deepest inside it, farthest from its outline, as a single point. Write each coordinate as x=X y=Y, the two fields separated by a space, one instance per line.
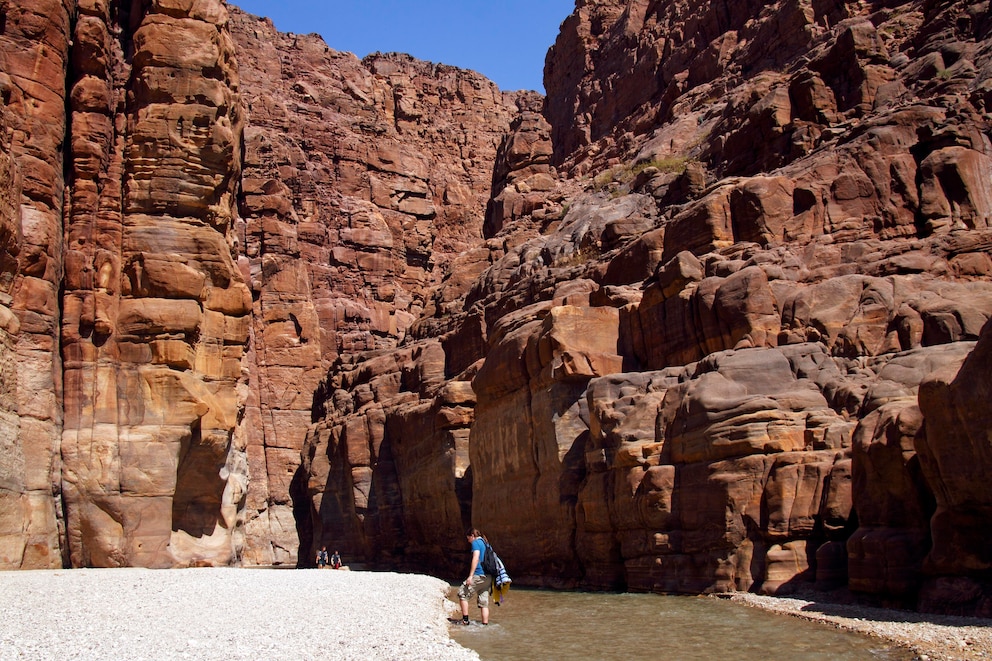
x=581 y=626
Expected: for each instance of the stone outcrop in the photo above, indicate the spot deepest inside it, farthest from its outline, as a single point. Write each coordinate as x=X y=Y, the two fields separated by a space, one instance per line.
x=364 y=186
x=155 y=311
x=711 y=316
x=34 y=43
x=773 y=224
x=239 y=209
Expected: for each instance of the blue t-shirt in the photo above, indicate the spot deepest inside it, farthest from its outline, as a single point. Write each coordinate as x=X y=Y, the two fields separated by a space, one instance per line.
x=480 y=546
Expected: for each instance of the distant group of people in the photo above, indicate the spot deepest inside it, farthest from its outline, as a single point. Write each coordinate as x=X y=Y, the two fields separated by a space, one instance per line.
x=334 y=561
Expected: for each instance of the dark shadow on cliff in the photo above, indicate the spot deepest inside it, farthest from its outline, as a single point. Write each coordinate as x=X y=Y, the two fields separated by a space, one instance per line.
x=573 y=470
x=301 y=515
x=463 y=491
x=383 y=529
x=199 y=492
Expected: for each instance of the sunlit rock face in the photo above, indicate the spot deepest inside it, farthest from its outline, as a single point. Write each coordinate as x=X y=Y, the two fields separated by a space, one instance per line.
x=190 y=239
x=123 y=349
x=35 y=40
x=365 y=183
x=156 y=313
x=817 y=250
x=711 y=316
x=773 y=224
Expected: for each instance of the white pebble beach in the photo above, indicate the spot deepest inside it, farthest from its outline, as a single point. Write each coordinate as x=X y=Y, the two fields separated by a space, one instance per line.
x=931 y=637
x=224 y=613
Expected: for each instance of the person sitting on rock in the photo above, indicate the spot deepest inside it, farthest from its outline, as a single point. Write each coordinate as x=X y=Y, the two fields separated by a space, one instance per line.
x=336 y=560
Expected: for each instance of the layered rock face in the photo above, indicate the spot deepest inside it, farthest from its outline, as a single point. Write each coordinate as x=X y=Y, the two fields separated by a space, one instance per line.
x=155 y=311
x=724 y=263
x=364 y=184
x=712 y=316
x=188 y=305
x=34 y=46
x=123 y=355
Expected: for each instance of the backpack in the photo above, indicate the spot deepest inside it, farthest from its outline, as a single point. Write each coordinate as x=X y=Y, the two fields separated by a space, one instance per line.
x=489 y=561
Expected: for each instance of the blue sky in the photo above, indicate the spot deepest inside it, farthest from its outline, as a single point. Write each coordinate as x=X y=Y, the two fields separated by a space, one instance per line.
x=505 y=40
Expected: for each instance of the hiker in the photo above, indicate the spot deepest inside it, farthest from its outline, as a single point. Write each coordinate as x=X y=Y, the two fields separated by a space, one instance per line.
x=336 y=560
x=477 y=583
x=322 y=557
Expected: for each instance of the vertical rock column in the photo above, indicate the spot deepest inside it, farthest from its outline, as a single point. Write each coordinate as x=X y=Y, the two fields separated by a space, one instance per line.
x=955 y=450
x=34 y=43
x=285 y=363
x=12 y=474
x=157 y=314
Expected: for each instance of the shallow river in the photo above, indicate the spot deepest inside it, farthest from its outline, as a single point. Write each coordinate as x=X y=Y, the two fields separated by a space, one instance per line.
x=579 y=626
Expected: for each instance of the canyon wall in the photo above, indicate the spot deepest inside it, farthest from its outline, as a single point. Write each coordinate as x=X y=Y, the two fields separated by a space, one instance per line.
x=364 y=181
x=34 y=44
x=711 y=316
x=154 y=309
x=735 y=268
x=200 y=216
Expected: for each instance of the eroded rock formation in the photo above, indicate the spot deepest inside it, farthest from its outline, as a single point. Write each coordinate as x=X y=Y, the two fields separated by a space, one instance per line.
x=723 y=263
x=155 y=311
x=35 y=49
x=364 y=182
x=711 y=316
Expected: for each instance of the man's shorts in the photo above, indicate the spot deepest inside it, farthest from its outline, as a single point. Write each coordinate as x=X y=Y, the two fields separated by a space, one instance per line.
x=480 y=587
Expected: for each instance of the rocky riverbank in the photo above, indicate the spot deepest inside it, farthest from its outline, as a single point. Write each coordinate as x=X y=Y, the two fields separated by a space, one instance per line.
x=931 y=637
x=142 y=614
x=323 y=614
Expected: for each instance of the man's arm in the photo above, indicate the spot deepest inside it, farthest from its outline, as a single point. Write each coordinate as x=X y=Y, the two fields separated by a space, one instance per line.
x=471 y=570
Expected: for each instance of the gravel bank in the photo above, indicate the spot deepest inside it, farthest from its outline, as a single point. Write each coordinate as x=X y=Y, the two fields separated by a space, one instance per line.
x=218 y=613
x=933 y=637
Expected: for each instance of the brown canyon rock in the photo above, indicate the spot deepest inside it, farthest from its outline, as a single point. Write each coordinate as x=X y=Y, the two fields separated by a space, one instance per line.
x=953 y=449
x=711 y=316
x=788 y=211
x=156 y=312
x=34 y=43
x=362 y=182
x=364 y=186
x=836 y=247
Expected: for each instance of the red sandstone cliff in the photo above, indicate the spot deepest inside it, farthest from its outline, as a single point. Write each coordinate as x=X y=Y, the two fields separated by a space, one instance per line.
x=364 y=183
x=35 y=50
x=711 y=316
x=698 y=350
x=201 y=215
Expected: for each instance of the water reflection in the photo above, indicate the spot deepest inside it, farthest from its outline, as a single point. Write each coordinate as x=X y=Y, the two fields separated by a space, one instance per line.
x=579 y=626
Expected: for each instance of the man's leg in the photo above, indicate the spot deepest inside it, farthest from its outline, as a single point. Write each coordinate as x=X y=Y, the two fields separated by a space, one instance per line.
x=464 y=593
x=484 y=589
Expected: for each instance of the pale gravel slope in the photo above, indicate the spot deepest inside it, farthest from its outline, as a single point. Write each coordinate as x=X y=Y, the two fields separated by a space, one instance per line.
x=931 y=637
x=219 y=613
